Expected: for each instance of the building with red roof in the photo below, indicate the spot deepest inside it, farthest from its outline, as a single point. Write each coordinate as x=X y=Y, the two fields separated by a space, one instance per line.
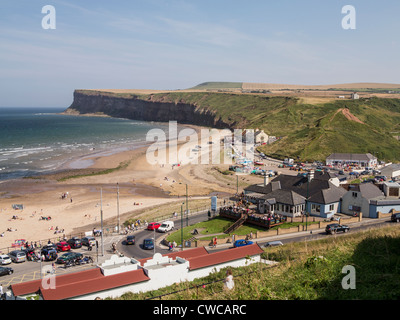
x=120 y=275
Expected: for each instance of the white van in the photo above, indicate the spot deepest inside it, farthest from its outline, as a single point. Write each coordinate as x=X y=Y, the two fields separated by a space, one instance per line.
x=166 y=226
x=273 y=244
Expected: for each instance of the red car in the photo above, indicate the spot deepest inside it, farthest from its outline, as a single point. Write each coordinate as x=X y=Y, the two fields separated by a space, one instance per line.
x=63 y=246
x=153 y=226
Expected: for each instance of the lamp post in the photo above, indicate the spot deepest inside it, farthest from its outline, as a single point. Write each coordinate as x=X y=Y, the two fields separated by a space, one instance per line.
x=187 y=206
x=118 y=207
x=101 y=216
x=308 y=183
x=182 y=226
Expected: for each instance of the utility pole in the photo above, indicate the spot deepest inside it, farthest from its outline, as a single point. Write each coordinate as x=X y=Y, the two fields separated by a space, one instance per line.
x=187 y=206
x=101 y=216
x=182 y=226
x=118 y=207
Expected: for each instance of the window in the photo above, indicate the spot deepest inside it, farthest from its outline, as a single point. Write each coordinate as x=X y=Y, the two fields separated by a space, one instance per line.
x=316 y=207
x=331 y=207
x=354 y=194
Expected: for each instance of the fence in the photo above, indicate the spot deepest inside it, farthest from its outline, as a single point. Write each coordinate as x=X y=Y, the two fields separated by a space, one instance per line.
x=60 y=237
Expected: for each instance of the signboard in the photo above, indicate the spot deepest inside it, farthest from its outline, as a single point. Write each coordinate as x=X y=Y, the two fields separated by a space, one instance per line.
x=214 y=203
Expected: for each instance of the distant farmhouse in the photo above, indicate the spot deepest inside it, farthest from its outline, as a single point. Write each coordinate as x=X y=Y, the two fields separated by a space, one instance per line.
x=260 y=137
x=363 y=160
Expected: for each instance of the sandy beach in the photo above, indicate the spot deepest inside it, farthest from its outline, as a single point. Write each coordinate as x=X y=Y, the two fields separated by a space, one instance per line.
x=141 y=185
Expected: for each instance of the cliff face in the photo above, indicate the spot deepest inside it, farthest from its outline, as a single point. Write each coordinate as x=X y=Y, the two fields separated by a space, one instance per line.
x=139 y=108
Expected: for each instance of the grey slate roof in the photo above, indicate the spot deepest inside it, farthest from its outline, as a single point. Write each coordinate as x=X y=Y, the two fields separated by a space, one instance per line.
x=367 y=190
x=293 y=190
x=326 y=196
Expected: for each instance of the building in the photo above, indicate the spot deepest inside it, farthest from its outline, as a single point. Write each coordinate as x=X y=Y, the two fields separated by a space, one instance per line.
x=355 y=96
x=121 y=275
x=358 y=198
x=288 y=195
x=366 y=160
x=391 y=171
x=387 y=203
x=260 y=137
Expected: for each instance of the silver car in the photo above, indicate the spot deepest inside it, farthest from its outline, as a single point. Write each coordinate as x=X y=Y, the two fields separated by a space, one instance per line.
x=17 y=256
x=4 y=259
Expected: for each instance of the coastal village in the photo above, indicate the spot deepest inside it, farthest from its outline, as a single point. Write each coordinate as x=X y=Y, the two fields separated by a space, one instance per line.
x=346 y=187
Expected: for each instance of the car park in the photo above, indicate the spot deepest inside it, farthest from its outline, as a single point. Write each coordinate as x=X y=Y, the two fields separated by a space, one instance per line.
x=335 y=227
x=153 y=226
x=130 y=240
x=88 y=241
x=4 y=271
x=148 y=244
x=166 y=226
x=242 y=243
x=17 y=256
x=5 y=259
x=273 y=244
x=63 y=246
x=69 y=257
x=75 y=243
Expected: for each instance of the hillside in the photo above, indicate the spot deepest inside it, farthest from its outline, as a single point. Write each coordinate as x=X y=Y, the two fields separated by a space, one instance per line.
x=307 y=131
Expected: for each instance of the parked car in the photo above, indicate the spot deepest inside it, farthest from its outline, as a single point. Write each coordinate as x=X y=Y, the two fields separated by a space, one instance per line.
x=63 y=246
x=49 y=254
x=395 y=217
x=148 y=244
x=17 y=256
x=5 y=259
x=166 y=226
x=75 y=243
x=88 y=241
x=4 y=271
x=68 y=257
x=153 y=226
x=335 y=227
x=242 y=243
x=50 y=246
x=273 y=244
x=130 y=240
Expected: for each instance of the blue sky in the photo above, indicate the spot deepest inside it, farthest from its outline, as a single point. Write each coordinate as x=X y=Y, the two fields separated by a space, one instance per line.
x=177 y=44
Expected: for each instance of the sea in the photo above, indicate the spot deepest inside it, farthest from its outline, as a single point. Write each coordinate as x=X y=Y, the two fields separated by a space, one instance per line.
x=35 y=141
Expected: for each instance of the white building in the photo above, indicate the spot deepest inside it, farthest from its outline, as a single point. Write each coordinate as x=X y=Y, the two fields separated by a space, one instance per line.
x=366 y=160
x=121 y=275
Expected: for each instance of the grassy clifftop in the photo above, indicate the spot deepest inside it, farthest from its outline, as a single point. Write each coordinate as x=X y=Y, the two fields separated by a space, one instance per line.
x=307 y=131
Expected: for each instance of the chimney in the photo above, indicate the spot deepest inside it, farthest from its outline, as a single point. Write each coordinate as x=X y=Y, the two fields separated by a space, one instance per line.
x=266 y=180
x=310 y=175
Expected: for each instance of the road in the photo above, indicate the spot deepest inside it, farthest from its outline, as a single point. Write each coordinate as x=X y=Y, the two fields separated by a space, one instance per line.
x=136 y=251
x=28 y=271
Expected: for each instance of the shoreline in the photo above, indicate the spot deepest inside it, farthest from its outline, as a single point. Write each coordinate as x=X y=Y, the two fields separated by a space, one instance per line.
x=139 y=183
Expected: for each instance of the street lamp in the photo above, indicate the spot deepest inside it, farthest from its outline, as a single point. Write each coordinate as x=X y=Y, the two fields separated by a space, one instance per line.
x=118 y=206
x=182 y=226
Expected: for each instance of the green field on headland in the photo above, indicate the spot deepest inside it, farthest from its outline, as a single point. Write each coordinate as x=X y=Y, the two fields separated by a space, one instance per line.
x=305 y=131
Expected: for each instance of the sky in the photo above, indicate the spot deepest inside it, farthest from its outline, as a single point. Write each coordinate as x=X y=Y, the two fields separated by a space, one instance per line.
x=177 y=44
